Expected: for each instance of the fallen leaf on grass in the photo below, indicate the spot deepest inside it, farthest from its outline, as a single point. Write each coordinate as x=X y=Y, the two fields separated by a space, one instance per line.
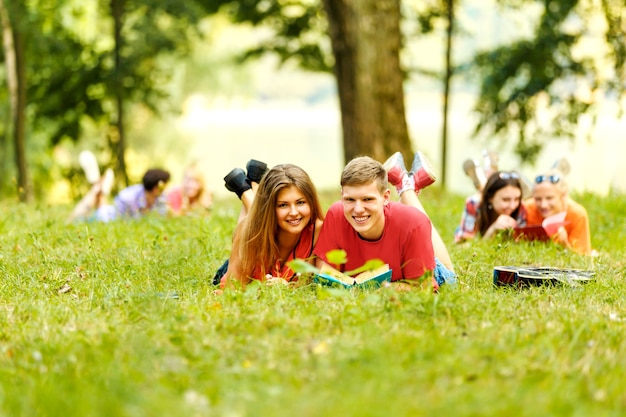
x=64 y=289
x=82 y=274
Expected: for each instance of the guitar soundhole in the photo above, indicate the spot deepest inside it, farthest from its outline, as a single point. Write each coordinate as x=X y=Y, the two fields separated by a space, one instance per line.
x=503 y=277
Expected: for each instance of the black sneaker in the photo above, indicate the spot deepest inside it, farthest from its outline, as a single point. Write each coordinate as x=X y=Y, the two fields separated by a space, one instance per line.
x=256 y=170
x=237 y=182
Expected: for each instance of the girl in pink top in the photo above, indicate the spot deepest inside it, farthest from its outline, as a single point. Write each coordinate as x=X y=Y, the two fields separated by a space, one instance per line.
x=191 y=195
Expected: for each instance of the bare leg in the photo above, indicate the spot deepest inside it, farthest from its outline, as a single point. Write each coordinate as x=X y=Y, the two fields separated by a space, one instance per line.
x=87 y=204
x=409 y=198
x=246 y=199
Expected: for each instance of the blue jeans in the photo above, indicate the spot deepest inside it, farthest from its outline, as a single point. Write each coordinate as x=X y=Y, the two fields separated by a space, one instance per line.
x=221 y=271
x=443 y=275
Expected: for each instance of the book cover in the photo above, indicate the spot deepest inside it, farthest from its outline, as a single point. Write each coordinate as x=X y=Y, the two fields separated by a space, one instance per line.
x=372 y=278
x=541 y=232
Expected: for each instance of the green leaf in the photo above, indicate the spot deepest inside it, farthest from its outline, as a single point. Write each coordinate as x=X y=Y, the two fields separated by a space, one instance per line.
x=302 y=266
x=367 y=266
x=337 y=256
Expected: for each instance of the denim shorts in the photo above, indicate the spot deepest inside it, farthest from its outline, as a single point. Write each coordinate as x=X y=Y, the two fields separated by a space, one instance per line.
x=443 y=275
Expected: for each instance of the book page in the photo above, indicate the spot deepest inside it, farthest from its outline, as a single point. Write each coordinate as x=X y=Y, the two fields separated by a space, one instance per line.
x=367 y=275
x=338 y=275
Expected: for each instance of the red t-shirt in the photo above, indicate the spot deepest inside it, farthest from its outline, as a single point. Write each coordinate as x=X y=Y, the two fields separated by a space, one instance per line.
x=405 y=243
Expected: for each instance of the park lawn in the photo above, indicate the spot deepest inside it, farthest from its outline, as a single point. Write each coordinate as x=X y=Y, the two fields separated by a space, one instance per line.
x=120 y=319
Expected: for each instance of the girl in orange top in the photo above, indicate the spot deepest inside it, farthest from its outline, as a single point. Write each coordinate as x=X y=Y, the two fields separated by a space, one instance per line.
x=550 y=197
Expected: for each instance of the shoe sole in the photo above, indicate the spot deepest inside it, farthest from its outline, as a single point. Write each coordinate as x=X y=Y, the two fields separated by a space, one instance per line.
x=424 y=175
x=394 y=165
x=238 y=188
x=256 y=170
x=471 y=170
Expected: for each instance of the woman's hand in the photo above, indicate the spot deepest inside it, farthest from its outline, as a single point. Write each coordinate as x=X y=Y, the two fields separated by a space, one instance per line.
x=502 y=222
x=561 y=237
x=270 y=280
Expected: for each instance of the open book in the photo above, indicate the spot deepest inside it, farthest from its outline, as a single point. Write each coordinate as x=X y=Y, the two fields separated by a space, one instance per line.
x=372 y=278
x=543 y=231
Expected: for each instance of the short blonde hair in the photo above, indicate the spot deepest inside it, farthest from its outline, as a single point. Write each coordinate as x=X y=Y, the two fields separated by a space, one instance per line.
x=554 y=176
x=363 y=170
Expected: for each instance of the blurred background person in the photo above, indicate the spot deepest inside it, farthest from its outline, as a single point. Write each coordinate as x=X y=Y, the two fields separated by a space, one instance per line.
x=132 y=202
x=498 y=207
x=191 y=195
x=549 y=197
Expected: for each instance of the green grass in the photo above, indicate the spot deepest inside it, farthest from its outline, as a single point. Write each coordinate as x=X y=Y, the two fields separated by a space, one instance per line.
x=139 y=331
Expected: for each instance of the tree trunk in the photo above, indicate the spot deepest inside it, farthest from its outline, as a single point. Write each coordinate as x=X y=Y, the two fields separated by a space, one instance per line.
x=117 y=138
x=19 y=134
x=16 y=80
x=446 y=90
x=366 y=41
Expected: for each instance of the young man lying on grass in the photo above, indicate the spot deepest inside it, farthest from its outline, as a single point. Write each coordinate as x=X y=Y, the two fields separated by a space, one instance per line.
x=367 y=225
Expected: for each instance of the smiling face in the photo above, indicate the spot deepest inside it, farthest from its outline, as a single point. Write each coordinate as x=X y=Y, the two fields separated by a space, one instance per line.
x=506 y=200
x=363 y=206
x=549 y=198
x=293 y=211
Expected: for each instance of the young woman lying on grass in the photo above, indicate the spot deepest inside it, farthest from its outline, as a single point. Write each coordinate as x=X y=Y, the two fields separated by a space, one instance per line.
x=191 y=195
x=550 y=196
x=499 y=207
x=282 y=223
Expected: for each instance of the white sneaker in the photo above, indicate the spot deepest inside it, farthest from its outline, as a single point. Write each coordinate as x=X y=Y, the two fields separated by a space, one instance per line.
x=89 y=164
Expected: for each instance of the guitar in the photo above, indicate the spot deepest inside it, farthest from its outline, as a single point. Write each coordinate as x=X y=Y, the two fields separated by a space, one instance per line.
x=526 y=276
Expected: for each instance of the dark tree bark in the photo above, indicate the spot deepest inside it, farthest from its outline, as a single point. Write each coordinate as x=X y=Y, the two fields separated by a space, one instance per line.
x=16 y=78
x=366 y=40
x=117 y=139
x=446 y=90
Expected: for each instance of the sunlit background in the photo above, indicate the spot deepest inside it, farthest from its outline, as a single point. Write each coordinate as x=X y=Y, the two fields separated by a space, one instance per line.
x=286 y=115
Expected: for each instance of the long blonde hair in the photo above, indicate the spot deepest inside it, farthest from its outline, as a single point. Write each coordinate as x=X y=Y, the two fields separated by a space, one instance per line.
x=259 y=230
x=203 y=198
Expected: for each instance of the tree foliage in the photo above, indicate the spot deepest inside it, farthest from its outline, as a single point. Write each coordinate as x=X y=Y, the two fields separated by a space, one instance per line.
x=76 y=72
x=536 y=89
x=298 y=30
x=364 y=58
x=94 y=60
